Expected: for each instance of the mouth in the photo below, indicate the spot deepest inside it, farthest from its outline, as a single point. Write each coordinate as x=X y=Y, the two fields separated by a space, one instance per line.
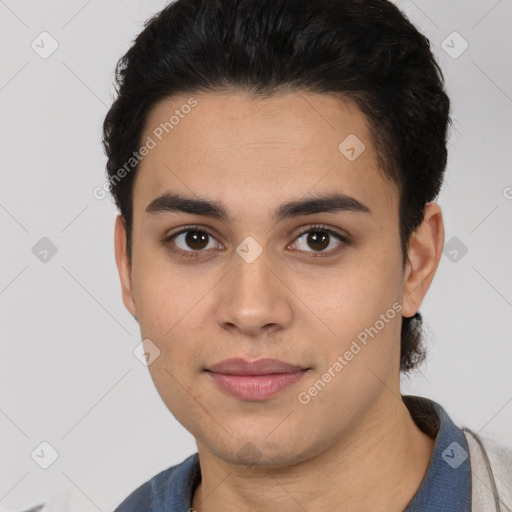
x=257 y=380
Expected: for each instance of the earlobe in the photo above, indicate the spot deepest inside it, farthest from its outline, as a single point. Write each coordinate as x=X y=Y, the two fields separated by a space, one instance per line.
x=425 y=250
x=123 y=264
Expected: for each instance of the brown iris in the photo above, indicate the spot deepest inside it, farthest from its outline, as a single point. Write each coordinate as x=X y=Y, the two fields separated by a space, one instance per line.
x=318 y=240
x=196 y=240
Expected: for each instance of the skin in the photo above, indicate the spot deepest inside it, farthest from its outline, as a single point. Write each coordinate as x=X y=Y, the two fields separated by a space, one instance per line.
x=354 y=444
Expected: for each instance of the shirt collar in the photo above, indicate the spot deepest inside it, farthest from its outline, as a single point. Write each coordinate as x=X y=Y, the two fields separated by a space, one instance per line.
x=447 y=483
x=177 y=494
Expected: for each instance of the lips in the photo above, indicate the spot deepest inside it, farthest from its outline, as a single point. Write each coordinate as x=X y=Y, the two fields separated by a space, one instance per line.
x=256 y=380
x=237 y=366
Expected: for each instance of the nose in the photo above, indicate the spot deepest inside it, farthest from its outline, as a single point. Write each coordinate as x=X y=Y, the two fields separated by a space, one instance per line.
x=252 y=300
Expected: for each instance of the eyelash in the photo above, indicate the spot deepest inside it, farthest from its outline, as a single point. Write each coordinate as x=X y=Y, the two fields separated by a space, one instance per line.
x=315 y=254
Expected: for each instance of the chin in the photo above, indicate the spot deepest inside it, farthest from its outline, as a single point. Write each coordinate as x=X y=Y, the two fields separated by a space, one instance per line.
x=257 y=450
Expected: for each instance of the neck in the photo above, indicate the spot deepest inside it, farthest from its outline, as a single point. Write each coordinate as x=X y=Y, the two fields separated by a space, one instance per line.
x=378 y=466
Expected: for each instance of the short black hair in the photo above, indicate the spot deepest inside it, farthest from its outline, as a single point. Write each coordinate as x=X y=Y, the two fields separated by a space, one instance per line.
x=364 y=50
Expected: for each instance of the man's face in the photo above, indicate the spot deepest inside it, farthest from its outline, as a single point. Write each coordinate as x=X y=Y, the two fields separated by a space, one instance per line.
x=259 y=285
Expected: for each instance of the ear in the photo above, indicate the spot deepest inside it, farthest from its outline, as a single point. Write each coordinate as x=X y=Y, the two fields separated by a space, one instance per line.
x=123 y=264
x=425 y=250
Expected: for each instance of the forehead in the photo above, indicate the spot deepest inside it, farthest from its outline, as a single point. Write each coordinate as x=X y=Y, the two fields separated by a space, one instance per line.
x=238 y=148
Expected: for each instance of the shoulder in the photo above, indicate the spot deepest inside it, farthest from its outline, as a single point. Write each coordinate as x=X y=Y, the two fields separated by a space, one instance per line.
x=491 y=469
x=167 y=488
x=151 y=493
x=141 y=500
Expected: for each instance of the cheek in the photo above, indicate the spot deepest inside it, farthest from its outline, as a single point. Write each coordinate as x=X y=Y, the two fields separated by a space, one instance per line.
x=360 y=302
x=164 y=294
x=174 y=311
x=355 y=292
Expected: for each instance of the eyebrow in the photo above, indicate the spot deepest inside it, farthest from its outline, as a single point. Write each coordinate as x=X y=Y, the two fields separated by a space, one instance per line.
x=323 y=203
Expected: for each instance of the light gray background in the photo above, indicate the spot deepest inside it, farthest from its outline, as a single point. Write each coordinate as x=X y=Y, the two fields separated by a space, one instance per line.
x=67 y=372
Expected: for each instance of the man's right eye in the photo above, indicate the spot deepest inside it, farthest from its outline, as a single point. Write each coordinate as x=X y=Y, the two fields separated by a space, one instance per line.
x=190 y=241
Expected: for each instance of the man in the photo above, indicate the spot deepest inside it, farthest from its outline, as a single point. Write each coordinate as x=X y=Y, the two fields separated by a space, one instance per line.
x=275 y=164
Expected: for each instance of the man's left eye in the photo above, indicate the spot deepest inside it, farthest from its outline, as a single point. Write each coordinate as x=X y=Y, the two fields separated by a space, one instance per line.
x=319 y=240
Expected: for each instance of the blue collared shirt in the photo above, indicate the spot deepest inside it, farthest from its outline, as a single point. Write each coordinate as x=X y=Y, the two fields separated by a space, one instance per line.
x=446 y=486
